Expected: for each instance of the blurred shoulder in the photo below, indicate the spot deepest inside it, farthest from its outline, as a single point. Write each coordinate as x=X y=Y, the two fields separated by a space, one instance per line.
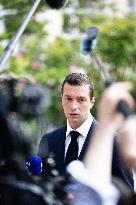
x=57 y=132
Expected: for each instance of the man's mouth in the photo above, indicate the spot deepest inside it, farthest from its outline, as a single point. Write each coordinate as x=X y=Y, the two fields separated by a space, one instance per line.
x=73 y=114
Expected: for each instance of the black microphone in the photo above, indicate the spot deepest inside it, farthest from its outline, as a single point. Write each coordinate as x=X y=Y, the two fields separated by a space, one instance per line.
x=56 y=4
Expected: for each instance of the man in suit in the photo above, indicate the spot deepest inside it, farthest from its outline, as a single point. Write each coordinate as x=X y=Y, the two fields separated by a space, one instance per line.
x=96 y=184
x=78 y=98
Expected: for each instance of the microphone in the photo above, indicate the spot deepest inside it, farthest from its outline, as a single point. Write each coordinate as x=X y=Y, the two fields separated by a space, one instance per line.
x=87 y=46
x=34 y=165
x=89 y=40
x=56 y=4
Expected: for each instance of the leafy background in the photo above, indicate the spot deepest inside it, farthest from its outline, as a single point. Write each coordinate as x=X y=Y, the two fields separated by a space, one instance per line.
x=45 y=60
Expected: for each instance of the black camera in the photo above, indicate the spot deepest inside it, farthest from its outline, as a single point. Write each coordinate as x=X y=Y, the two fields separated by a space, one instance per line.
x=27 y=101
x=17 y=185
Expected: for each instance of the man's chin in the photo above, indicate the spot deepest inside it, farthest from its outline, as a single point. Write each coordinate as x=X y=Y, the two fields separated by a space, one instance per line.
x=74 y=123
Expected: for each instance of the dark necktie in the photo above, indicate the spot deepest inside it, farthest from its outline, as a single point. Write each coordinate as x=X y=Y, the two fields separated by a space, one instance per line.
x=72 y=152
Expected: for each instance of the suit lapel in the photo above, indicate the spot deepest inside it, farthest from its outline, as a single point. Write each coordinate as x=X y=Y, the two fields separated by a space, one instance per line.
x=60 y=149
x=89 y=135
x=60 y=146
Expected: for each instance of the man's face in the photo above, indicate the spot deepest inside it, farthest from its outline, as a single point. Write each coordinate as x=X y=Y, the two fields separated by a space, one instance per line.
x=76 y=104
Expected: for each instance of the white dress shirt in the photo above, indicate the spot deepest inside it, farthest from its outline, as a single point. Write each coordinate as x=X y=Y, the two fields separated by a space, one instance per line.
x=83 y=130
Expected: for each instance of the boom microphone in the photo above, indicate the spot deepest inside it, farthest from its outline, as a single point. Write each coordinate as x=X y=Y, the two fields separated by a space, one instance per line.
x=56 y=4
x=87 y=47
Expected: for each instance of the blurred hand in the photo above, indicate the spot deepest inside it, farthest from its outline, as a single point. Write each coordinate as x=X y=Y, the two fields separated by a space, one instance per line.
x=108 y=115
x=128 y=141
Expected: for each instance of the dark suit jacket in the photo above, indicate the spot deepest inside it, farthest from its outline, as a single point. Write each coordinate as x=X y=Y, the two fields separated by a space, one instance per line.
x=56 y=145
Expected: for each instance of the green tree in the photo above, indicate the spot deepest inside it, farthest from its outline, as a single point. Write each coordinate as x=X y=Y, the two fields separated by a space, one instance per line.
x=117 y=46
x=48 y=62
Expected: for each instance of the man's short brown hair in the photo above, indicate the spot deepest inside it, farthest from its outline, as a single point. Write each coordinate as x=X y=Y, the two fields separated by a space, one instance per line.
x=78 y=79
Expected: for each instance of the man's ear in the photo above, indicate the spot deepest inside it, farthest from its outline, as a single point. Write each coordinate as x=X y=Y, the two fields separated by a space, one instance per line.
x=92 y=101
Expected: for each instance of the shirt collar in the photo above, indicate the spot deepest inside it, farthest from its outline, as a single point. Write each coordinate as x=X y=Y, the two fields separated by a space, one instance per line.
x=83 y=129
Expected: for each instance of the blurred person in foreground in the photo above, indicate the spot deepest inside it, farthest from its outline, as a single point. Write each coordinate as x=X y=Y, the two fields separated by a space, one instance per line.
x=97 y=185
x=77 y=95
x=17 y=185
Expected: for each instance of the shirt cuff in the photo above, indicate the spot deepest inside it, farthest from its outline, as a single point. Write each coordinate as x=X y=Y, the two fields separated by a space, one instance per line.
x=107 y=191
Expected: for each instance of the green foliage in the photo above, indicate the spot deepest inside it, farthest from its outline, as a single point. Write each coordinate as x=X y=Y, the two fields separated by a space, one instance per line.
x=117 y=45
x=55 y=111
x=18 y=10
x=48 y=62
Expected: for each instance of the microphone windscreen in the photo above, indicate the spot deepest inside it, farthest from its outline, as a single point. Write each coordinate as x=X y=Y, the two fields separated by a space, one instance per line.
x=92 y=32
x=87 y=44
x=89 y=40
x=56 y=4
x=34 y=165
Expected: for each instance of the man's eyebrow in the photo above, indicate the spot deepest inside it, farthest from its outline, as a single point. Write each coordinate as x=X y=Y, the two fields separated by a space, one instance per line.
x=83 y=97
x=66 y=95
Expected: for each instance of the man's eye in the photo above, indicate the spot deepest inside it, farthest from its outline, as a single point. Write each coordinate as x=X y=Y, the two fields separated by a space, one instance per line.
x=69 y=99
x=81 y=99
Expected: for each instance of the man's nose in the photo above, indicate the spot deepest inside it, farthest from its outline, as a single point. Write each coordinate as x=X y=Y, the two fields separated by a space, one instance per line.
x=74 y=104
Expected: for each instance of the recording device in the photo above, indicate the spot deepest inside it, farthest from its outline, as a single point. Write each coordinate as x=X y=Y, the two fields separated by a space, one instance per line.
x=29 y=102
x=87 y=48
x=17 y=186
x=89 y=40
x=44 y=166
x=12 y=140
x=56 y=4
